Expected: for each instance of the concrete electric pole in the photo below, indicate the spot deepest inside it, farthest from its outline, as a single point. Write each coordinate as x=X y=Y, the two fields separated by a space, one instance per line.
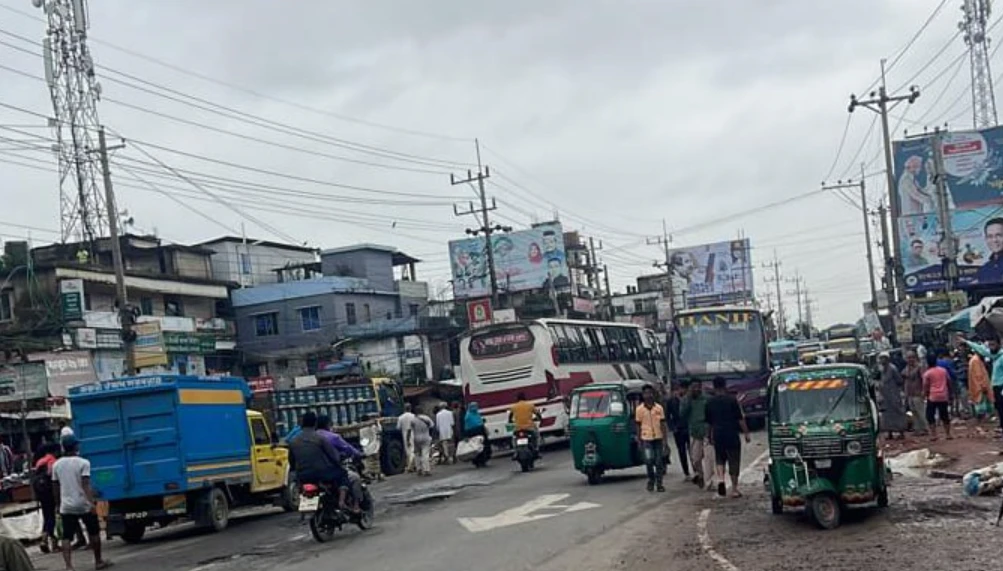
x=798 y=282
x=776 y=281
x=881 y=103
x=867 y=228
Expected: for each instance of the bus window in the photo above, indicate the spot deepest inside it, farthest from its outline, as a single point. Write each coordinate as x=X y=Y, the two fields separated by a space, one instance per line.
x=589 y=350
x=602 y=346
x=615 y=343
x=632 y=344
x=561 y=343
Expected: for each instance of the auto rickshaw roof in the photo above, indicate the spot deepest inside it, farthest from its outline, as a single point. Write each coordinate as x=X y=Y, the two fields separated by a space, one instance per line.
x=816 y=370
x=630 y=385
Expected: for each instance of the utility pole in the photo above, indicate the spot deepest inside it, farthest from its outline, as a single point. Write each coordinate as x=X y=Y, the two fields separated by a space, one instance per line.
x=664 y=240
x=807 y=311
x=949 y=261
x=797 y=280
x=594 y=264
x=609 y=293
x=776 y=281
x=881 y=103
x=867 y=227
x=121 y=295
x=483 y=173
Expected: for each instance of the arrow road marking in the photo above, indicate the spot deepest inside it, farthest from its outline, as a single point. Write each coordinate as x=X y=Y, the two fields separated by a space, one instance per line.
x=548 y=504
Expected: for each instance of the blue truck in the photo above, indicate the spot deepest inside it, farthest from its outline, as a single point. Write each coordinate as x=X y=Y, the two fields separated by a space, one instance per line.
x=169 y=447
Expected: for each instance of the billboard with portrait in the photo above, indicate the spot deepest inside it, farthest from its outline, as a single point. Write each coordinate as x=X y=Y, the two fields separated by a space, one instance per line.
x=712 y=274
x=525 y=260
x=973 y=165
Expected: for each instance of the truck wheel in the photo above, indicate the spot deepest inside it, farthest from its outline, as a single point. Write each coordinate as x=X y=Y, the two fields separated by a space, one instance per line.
x=393 y=457
x=219 y=510
x=134 y=532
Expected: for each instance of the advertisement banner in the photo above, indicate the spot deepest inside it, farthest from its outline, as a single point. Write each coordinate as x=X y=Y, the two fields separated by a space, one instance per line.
x=26 y=381
x=149 y=348
x=479 y=313
x=71 y=299
x=973 y=164
x=66 y=369
x=712 y=274
x=525 y=260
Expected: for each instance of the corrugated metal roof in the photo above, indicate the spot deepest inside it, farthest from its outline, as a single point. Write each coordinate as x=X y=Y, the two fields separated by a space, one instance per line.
x=305 y=288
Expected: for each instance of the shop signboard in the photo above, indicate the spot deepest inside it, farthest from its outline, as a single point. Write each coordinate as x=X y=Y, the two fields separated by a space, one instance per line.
x=71 y=299
x=149 y=350
x=23 y=381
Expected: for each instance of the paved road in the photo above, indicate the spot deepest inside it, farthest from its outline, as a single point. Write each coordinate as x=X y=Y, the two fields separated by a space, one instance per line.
x=480 y=523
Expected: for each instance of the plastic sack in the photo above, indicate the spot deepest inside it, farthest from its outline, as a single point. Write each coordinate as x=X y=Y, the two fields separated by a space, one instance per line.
x=983 y=407
x=469 y=448
x=971 y=484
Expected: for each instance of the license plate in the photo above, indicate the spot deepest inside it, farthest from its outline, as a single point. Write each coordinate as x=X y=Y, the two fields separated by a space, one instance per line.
x=522 y=441
x=309 y=504
x=823 y=463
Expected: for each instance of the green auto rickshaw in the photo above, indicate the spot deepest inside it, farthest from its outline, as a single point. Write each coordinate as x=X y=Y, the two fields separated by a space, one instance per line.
x=602 y=427
x=823 y=431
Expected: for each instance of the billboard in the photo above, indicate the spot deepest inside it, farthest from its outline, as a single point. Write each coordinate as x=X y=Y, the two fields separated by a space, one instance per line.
x=973 y=165
x=712 y=274
x=524 y=260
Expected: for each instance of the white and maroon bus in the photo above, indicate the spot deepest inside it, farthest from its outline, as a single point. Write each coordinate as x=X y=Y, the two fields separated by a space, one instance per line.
x=546 y=359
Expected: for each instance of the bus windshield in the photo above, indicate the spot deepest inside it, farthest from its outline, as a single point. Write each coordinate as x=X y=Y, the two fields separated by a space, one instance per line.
x=817 y=400
x=720 y=341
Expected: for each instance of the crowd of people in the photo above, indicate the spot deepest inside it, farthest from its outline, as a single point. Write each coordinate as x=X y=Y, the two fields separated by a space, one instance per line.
x=707 y=430
x=929 y=387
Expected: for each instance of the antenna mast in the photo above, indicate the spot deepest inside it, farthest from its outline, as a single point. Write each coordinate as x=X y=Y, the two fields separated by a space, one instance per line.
x=75 y=91
x=974 y=28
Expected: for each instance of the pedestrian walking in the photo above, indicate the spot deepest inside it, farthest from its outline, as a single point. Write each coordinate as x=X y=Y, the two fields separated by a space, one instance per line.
x=726 y=423
x=693 y=411
x=937 y=388
x=405 y=424
x=912 y=381
x=652 y=432
x=445 y=423
x=71 y=475
x=679 y=429
x=421 y=438
x=980 y=392
x=41 y=484
x=890 y=385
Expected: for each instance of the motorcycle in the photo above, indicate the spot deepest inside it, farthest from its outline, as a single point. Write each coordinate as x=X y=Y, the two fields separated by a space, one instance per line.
x=523 y=450
x=321 y=501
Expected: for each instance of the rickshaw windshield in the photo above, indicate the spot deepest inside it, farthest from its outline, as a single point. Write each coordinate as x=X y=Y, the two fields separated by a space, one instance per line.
x=817 y=400
x=594 y=404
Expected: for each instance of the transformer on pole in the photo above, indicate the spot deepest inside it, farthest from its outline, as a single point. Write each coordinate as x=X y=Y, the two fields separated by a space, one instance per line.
x=973 y=26
x=75 y=91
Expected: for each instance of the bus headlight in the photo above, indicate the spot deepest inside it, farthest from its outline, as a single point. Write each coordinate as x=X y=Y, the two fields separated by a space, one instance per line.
x=790 y=451
x=854 y=447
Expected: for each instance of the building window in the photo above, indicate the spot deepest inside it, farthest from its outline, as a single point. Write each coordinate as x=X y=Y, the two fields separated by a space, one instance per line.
x=638 y=306
x=146 y=306
x=245 y=264
x=6 y=306
x=413 y=309
x=350 y=313
x=310 y=318
x=266 y=324
x=173 y=307
x=367 y=313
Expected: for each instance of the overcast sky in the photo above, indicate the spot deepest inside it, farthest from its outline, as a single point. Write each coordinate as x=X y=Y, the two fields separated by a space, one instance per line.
x=612 y=114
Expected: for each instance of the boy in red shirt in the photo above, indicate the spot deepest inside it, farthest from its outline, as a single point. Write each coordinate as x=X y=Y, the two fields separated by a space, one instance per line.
x=936 y=389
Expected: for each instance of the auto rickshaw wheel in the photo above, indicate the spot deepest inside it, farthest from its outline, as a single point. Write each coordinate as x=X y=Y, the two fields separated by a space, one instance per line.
x=883 y=498
x=776 y=505
x=595 y=476
x=825 y=510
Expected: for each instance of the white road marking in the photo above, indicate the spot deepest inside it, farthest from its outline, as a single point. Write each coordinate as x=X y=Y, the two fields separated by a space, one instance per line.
x=525 y=513
x=704 y=535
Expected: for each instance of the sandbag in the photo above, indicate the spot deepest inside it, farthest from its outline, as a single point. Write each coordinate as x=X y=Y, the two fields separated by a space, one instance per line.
x=469 y=448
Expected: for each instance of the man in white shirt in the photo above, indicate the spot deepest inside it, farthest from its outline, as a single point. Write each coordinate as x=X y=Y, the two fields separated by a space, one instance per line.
x=444 y=420
x=71 y=476
x=405 y=424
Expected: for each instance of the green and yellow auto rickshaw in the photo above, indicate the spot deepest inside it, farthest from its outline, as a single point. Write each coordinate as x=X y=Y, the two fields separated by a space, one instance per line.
x=823 y=430
x=602 y=427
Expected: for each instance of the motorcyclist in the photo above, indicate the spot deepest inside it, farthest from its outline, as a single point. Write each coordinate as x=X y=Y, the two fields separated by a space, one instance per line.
x=345 y=450
x=316 y=461
x=524 y=416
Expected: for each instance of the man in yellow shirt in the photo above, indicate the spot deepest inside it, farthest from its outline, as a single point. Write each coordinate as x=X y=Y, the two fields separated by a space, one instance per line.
x=523 y=416
x=651 y=433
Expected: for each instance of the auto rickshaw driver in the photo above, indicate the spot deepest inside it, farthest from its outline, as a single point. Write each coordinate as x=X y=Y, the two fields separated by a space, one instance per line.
x=524 y=416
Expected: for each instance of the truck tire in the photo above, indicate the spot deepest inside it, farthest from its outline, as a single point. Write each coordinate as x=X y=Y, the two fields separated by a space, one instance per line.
x=290 y=499
x=393 y=457
x=218 y=514
x=134 y=532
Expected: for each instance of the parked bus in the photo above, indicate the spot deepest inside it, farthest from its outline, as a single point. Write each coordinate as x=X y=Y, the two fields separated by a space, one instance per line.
x=783 y=353
x=546 y=359
x=727 y=342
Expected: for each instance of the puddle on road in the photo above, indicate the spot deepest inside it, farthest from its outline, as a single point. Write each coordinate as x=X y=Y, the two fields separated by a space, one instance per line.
x=440 y=489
